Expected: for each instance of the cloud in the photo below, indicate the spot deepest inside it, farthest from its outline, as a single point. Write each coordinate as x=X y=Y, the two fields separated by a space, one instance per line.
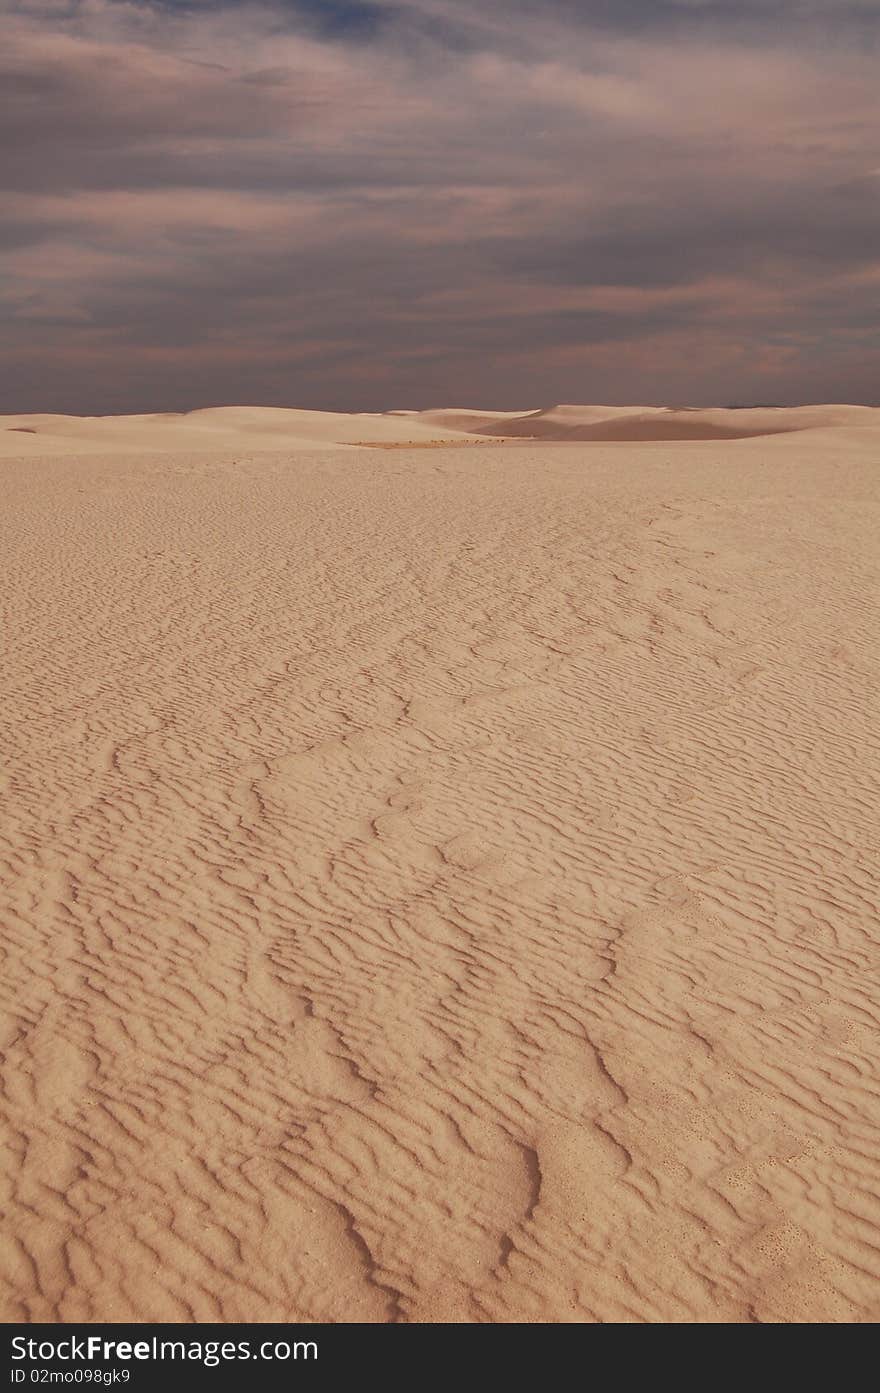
x=401 y=203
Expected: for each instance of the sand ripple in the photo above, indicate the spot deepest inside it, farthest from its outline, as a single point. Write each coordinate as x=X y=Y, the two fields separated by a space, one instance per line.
x=442 y=886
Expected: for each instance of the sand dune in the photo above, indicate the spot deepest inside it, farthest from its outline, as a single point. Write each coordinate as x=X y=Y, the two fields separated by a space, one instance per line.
x=644 y=423
x=440 y=885
x=219 y=428
x=248 y=428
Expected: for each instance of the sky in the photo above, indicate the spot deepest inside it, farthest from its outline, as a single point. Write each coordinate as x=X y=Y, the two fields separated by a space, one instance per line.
x=416 y=203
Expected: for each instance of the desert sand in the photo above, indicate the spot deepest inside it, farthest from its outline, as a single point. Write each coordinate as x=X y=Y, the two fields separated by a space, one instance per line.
x=441 y=883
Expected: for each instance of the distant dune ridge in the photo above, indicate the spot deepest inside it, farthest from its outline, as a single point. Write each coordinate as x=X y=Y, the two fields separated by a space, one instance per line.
x=278 y=428
x=216 y=428
x=441 y=883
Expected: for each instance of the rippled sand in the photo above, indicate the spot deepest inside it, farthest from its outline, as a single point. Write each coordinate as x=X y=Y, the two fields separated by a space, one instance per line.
x=442 y=885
